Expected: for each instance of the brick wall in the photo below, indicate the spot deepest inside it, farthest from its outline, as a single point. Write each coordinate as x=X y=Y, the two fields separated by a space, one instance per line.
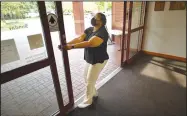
x=117 y=15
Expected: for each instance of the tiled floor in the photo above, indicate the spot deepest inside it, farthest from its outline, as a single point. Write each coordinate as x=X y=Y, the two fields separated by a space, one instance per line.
x=34 y=94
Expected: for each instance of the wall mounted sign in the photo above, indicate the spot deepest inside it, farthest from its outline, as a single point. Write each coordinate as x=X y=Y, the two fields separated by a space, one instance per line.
x=159 y=6
x=177 y=6
x=9 y=52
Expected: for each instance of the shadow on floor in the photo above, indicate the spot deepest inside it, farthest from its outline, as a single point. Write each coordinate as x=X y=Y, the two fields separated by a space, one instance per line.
x=134 y=92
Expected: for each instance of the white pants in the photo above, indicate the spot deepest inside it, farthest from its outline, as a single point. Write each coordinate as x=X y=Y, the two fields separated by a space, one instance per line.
x=91 y=74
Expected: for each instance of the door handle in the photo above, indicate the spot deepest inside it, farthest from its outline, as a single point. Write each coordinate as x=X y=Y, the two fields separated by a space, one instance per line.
x=60 y=47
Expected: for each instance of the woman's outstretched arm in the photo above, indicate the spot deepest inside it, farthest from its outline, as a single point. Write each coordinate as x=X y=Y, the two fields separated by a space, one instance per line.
x=75 y=41
x=78 y=39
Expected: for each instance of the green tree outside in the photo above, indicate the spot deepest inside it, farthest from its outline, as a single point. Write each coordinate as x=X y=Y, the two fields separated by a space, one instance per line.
x=102 y=6
x=17 y=10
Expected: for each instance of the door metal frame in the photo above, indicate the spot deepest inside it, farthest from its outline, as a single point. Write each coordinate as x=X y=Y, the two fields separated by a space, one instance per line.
x=65 y=59
x=129 y=31
x=123 y=47
x=145 y=20
x=50 y=61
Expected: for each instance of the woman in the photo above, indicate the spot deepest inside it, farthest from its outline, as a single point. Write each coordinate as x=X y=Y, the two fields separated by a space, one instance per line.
x=94 y=41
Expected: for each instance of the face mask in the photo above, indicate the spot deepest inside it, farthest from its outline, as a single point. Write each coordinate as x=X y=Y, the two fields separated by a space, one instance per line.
x=93 y=22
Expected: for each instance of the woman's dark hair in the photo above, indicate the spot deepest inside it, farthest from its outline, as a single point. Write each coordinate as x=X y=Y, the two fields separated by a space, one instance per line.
x=103 y=18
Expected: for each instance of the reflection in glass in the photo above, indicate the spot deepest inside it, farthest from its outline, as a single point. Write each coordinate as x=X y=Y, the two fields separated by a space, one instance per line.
x=135 y=42
x=136 y=14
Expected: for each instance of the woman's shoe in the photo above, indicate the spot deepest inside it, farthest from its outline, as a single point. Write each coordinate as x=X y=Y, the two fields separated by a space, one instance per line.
x=83 y=105
x=96 y=95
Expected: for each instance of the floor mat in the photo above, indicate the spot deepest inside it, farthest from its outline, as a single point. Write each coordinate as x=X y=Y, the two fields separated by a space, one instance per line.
x=142 y=89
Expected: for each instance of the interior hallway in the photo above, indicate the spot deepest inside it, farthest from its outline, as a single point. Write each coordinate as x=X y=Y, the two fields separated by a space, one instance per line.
x=151 y=86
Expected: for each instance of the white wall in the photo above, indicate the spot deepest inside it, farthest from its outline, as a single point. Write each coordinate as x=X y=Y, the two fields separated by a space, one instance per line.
x=165 y=31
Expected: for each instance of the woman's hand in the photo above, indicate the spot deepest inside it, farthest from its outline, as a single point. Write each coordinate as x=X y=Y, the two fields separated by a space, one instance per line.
x=66 y=47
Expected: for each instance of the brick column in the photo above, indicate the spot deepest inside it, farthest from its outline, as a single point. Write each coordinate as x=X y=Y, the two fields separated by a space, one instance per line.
x=78 y=17
x=117 y=19
x=117 y=15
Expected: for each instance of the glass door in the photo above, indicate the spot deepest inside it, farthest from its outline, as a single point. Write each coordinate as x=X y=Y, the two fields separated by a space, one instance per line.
x=134 y=26
x=31 y=81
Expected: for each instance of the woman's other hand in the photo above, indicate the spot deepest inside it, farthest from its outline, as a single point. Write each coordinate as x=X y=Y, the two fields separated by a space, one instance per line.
x=66 y=47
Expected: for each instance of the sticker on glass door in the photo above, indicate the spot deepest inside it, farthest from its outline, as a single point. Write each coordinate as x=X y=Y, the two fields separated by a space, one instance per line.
x=53 y=23
x=35 y=41
x=9 y=52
